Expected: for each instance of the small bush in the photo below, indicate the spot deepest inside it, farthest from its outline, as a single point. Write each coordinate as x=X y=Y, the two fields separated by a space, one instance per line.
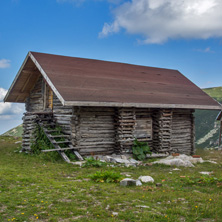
x=106 y=176
x=91 y=162
x=203 y=180
x=140 y=149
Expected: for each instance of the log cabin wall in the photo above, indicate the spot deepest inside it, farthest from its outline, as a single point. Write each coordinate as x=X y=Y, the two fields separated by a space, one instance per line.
x=93 y=130
x=34 y=103
x=125 y=125
x=132 y=123
x=183 y=131
x=162 y=127
x=106 y=130
x=63 y=115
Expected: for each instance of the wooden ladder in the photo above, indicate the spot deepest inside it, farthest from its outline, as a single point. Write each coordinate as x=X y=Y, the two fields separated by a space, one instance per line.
x=57 y=144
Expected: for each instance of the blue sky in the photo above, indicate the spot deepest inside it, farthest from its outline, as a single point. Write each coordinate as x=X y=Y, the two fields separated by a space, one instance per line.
x=177 y=34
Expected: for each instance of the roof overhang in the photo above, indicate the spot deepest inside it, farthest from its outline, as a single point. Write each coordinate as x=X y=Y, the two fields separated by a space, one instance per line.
x=25 y=79
x=141 y=105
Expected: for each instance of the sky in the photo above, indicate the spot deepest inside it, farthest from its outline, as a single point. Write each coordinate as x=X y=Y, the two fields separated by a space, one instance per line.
x=175 y=34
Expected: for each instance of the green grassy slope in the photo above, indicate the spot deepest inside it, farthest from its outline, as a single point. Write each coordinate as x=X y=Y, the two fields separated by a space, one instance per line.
x=16 y=132
x=34 y=189
x=207 y=130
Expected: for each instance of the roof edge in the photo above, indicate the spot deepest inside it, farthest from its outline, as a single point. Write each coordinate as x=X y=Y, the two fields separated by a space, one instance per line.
x=141 y=105
x=47 y=78
x=16 y=77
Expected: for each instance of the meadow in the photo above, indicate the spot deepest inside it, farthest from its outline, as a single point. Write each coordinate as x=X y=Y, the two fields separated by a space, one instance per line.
x=44 y=188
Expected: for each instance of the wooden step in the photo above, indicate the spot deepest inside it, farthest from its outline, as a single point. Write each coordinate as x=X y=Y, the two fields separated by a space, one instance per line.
x=59 y=136
x=58 y=142
x=57 y=149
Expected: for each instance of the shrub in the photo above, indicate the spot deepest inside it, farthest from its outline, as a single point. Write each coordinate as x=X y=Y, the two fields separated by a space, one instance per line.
x=203 y=180
x=91 y=162
x=106 y=176
x=140 y=149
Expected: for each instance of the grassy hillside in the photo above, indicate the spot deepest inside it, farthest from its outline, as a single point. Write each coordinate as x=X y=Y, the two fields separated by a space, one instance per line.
x=16 y=132
x=34 y=189
x=207 y=130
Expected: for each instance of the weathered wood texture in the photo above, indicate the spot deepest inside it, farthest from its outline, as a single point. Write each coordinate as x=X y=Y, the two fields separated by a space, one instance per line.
x=105 y=130
x=62 y=115
x=29 y=127
x=34 y=102
x=183 y=132
x=93 y=130
x=132 y=123
x=162 y=122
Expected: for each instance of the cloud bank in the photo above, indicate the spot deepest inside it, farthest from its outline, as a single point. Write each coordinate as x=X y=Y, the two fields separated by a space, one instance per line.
x=4 y=63
x=160 y=20
x=9 y=110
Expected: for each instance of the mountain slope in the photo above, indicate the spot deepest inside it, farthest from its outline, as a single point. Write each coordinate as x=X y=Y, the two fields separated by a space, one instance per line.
x=17 y=132
x=207 y=130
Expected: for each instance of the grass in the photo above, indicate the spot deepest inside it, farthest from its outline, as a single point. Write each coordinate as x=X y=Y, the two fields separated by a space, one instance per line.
x=33 y=188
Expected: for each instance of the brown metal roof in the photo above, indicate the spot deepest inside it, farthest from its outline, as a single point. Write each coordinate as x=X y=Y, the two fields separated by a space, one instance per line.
x=78 y=81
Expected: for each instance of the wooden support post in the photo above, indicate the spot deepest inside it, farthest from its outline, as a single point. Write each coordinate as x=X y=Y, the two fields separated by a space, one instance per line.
x=220 y=133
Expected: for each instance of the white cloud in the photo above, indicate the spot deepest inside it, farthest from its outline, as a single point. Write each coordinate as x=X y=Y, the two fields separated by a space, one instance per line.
x=160 y=20
x=9 y=109
x=4 y=63
x=206 y=50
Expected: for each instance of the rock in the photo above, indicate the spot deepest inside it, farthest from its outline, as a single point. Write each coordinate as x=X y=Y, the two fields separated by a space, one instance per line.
x=79 y=163
x=115 y=213
x=159 y=184
x=146 y=179
x=119 y=160
x=18 y=142
x=127 y=182
x=175 y=169
x=107 y=158
x=123 y=157
x=138 y=183
x=177 y=161
x=134 y=161
x=142 y=206
x=210 y=161
x=156 y=155
x=205 y=173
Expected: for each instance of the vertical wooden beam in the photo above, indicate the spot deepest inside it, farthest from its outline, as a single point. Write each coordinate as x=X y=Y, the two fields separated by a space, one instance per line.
x=220 y=133
x=192 y=132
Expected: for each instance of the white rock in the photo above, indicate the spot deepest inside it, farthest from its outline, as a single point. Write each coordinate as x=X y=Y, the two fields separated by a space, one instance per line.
x=175 y=162
x=127 y=182
x=118 y=160
x=138 y=183
x=176 y=169
x=142 y=206
x=18 y=142
x=115 y=213
x=205 y=173
x=79 y=163
x=133 y=161
x=146 y=179
x=210 y=161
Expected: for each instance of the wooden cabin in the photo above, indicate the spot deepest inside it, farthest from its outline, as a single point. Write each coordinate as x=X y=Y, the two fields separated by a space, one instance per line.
x=103 y=106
